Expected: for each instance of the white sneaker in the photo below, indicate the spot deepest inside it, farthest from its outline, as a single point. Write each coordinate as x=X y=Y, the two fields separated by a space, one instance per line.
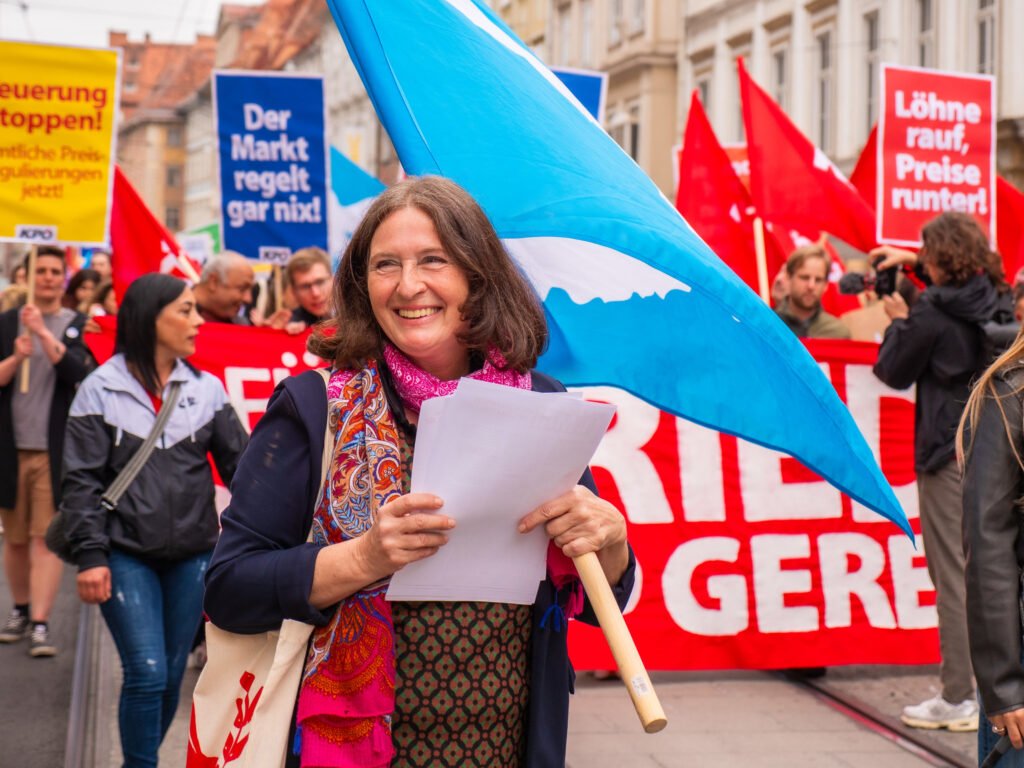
x=939 y=713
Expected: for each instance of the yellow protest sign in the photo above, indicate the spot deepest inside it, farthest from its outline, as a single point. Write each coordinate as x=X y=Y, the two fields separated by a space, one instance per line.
x=58 y=107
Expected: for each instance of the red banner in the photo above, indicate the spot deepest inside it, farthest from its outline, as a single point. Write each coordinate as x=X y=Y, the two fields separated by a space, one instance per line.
x=936 y=150
x=746 y=559
x=250 y=361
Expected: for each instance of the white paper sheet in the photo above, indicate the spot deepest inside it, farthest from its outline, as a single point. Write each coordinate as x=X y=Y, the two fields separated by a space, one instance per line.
x=493 y=454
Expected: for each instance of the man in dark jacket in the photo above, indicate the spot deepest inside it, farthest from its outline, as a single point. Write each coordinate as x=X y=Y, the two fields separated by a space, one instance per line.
x=939 y=346
x=48 y=337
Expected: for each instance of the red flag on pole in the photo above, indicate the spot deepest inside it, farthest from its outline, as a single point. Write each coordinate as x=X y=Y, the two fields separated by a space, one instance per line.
x=865 y=173
x=713 y=200
x=139 y=242
x=792 y=182
x=1010 y=227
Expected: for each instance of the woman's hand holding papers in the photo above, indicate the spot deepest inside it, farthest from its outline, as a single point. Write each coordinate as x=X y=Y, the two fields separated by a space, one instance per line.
x=405 y=530
x=580 y=522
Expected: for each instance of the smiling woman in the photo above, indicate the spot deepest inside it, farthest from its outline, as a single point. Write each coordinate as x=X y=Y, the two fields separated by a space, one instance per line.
x=425 y=294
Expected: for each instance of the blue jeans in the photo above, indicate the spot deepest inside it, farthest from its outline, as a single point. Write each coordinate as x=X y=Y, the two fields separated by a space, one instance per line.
x=987 y=740
x=153 y=612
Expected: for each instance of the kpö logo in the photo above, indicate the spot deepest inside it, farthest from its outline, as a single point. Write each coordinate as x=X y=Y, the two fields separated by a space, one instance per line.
x=37 y=233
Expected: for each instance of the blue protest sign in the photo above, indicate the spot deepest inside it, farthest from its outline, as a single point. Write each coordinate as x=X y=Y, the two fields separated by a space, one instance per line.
x=272 y=162
x=589 y=87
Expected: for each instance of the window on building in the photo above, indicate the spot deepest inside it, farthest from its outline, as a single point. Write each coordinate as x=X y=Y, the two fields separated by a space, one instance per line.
x=172 y=219
x=130 y=86
x=925 y=33
x=633 y=132
x=873 y=46
x=703 y=69
x=638 y=11
x=624 y=128
x=175 y=134
x=986 y=36
x=824 y=90
x=704 y=91
x=174 y=176
x=587 y=33
x=563 y=35
x=738 y=129
x=780 y=77
x=615 y=21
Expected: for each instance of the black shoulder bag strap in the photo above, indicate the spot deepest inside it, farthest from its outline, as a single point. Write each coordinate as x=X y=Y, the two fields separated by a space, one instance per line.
x=125 y=477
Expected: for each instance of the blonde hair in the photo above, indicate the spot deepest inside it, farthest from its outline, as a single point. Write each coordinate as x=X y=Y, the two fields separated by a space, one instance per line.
x=985 y=387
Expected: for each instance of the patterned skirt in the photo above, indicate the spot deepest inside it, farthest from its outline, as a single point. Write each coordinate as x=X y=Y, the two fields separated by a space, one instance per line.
x=462 y=684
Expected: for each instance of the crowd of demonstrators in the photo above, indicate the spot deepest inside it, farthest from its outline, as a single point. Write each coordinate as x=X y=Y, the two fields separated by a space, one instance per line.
x=425 y=294
x=939 y=344
x=225 y=288
x=48 y=337
x=14 y=294
x=81 y=290
x=308 y=274
x=807 y=270
x=100 y=263
x=143 y=559
x=104 y=302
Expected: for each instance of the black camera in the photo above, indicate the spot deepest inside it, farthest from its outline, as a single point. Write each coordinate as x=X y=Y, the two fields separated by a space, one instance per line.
x=882 y=282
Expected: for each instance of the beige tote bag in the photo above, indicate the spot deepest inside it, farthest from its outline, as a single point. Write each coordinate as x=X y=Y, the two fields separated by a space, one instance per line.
x=244 y=699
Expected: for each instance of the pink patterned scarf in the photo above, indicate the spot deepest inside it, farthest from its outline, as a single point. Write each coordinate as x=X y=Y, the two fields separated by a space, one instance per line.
x=416 y=385
x=347 y=695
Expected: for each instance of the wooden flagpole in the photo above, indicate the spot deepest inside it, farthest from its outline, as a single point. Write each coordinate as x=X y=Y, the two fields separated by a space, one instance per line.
x=30 y=300
x=764 y=287
x=186 y=267
x=627 y=658
x=278 y=288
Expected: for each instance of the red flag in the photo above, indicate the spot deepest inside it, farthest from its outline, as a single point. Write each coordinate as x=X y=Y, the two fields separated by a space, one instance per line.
x=865 y=173
x=139 y=242
x=1010 y=227
x=713 y=200
x=792 y=182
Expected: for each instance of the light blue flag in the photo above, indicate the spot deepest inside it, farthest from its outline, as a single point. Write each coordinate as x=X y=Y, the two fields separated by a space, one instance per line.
x=352 y=192
x=634 y=299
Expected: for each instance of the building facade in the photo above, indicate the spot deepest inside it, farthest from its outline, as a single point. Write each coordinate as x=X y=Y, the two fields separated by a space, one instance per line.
x=820 y=60
x=636 y=42
x=156 y=79
x=352 y=124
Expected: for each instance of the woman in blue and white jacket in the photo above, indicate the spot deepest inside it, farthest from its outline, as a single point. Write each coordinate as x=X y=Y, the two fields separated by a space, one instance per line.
x=144 y=561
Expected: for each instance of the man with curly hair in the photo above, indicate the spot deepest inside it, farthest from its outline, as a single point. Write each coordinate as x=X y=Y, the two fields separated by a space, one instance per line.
x=939 y=345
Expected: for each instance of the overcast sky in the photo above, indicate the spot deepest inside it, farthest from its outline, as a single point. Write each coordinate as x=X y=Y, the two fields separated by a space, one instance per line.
x=86 y=22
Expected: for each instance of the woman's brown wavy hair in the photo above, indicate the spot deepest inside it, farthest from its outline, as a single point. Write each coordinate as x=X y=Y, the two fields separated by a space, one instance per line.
x=502 y=309
x=956 y=244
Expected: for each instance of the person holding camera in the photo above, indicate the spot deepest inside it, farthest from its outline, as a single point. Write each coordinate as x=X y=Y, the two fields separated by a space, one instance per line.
x=939 y=345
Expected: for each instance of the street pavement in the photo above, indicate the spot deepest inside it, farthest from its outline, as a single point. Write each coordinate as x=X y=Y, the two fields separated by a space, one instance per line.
x=35 y=694
x=723 y=719
x=714 y=718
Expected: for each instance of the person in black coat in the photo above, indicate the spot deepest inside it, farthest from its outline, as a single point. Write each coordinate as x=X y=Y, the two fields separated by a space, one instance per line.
x=991 y=442
x=939 y=345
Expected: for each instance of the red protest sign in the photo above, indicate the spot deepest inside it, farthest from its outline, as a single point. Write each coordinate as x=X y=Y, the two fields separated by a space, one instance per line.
x=936 y=150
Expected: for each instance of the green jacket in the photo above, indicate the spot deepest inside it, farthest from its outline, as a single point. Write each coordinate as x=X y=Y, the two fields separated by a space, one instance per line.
x=820 y=325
